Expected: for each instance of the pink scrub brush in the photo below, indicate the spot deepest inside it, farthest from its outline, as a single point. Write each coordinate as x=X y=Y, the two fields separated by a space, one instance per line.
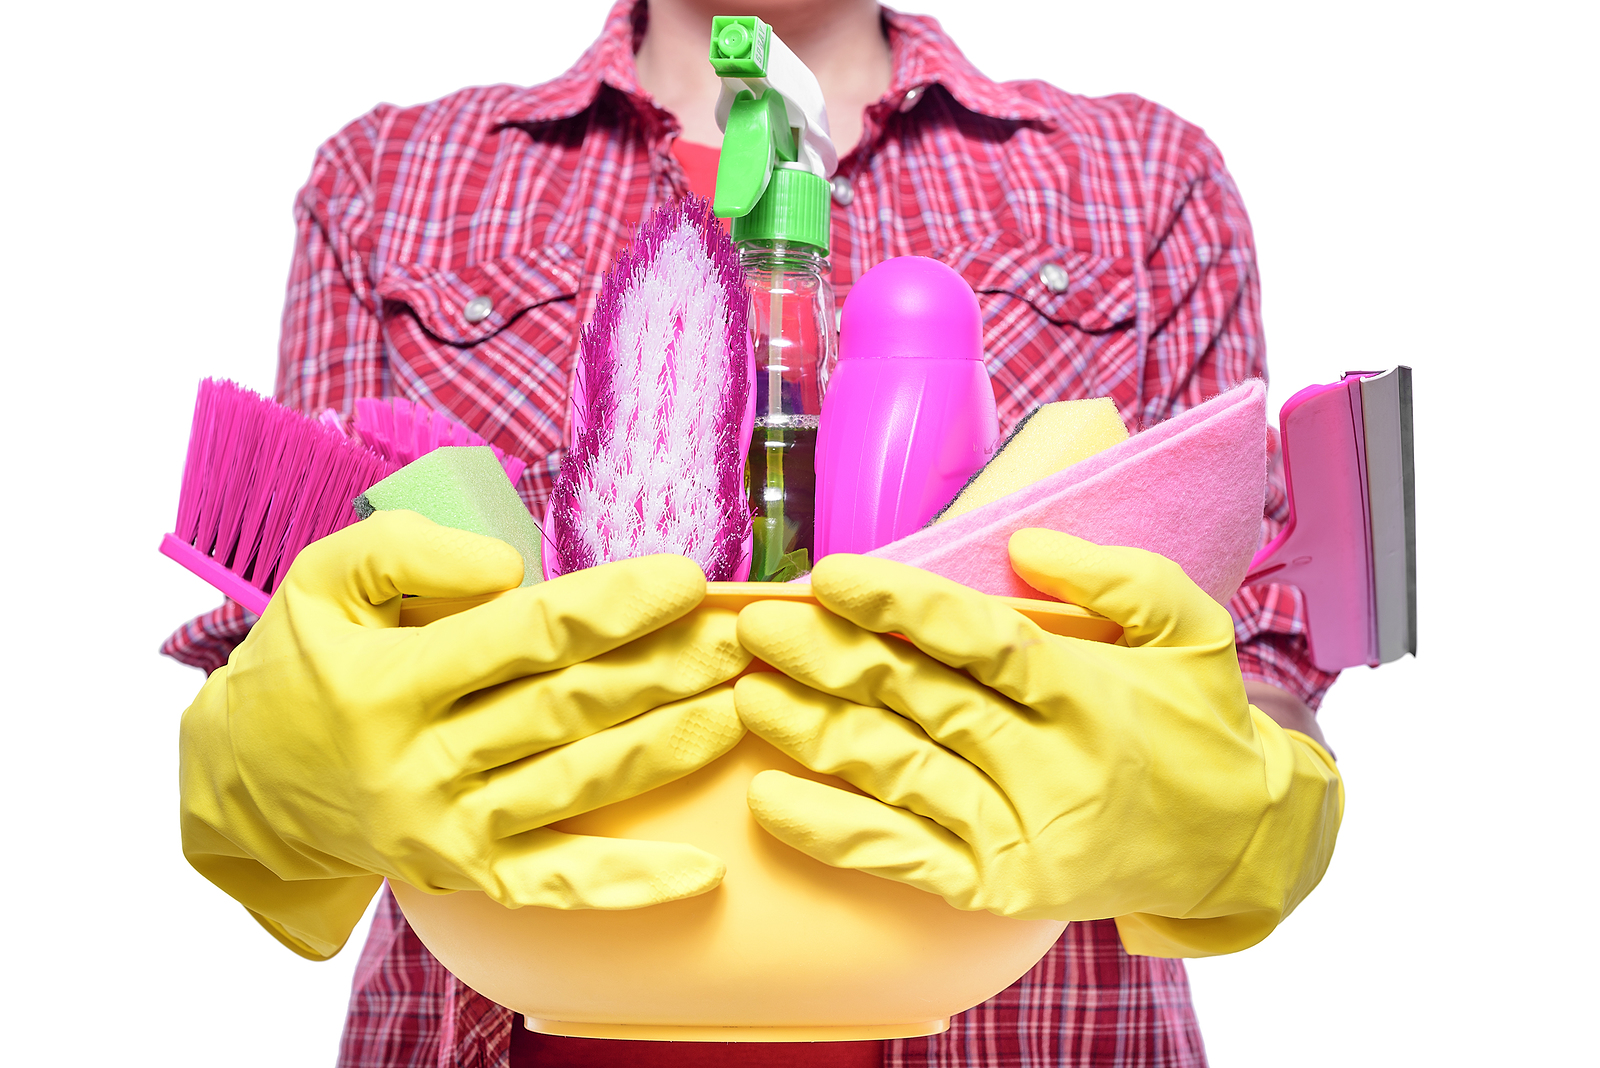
x=662 y=407
x=260 y=483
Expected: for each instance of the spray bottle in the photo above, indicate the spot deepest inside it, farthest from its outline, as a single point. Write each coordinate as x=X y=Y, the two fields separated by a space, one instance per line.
x=772 y=181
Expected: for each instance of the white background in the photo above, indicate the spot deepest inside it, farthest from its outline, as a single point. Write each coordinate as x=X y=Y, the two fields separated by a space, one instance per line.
x=1422 y=181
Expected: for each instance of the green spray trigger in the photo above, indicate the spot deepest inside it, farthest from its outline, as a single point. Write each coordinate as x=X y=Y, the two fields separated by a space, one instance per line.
x=777 y=157
x=757 y=137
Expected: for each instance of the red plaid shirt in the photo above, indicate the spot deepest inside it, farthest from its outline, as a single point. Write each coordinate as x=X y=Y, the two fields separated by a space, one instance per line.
x=522 y=196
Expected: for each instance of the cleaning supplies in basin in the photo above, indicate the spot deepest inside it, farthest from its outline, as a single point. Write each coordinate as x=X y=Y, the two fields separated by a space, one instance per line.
x=909 y=415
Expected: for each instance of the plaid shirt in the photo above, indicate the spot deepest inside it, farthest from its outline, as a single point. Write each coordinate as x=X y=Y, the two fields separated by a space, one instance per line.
x=1111 y=256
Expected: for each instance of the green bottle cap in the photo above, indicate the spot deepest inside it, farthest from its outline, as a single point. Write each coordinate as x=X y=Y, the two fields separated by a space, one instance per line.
x=794 y=209
x=739 y=46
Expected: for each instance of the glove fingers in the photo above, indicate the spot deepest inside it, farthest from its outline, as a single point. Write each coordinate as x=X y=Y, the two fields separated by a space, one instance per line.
x=845 y=830
x=552 y=625
x=874 y=750
x=553 y=870
x=990 y=642
x=1156 y=603
x=833 y=655
x=497 y=726
x=952 y=623
x=371 y=563
x=610 y=766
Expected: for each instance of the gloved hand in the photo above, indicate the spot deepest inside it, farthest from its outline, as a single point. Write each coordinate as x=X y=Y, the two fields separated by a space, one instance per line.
x=337 y=747
x=1033 y=775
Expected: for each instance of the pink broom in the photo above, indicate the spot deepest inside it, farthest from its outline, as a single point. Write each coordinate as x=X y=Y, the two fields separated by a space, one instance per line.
x=662 y=407
x=260 y=483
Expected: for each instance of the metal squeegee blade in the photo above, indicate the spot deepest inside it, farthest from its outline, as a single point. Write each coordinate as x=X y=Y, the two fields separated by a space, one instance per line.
x=1391 y=491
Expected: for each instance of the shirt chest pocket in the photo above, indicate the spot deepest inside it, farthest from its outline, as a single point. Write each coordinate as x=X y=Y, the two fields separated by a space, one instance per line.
x=1066 y=286
x=1057 y=322
x=491 y=344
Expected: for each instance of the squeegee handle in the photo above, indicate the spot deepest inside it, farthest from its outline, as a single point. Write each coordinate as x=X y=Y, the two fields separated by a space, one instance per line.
x=1325 y=548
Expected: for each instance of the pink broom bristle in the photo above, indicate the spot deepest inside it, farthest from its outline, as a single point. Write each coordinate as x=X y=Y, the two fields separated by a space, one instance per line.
x=402 y=430
x=661 y=405
x=261 y=482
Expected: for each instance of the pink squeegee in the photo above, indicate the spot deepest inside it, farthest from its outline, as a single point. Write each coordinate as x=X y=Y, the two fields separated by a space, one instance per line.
x=1350 y=542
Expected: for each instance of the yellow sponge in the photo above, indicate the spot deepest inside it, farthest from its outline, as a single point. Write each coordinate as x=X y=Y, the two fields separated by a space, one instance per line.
x=1050 y=438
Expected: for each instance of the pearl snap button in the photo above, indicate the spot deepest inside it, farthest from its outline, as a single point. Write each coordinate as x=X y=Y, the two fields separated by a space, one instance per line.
x=842 y=193
x=909 y=101
x=1054 y=277
x=478 y=309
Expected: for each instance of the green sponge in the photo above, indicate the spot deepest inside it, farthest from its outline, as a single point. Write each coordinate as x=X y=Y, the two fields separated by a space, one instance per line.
x=462 y=486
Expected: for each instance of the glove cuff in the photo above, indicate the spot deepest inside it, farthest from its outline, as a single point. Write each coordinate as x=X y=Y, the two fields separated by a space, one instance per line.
x=309 y=905
x=1281 y=866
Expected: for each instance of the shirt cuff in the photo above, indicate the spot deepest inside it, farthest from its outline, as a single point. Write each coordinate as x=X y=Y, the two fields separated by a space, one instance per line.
x=206 y=641
x=1270 y=633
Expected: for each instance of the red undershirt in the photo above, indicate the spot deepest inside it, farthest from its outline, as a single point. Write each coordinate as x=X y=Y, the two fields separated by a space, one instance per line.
x=699 y=163
x=531 y=1050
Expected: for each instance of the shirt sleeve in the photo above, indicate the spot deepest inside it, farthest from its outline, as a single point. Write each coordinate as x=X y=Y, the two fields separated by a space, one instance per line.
x=331 y=345
x=1206 y=337
x=206 y=641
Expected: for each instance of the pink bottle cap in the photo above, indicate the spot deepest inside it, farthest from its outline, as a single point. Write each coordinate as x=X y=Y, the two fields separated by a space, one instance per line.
x=911 y=306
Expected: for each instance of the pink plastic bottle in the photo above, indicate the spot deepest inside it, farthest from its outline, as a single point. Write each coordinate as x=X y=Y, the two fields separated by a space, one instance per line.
x=909 y=412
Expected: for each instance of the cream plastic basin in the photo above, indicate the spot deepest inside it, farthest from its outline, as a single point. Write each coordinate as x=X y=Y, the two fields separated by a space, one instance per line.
x=786 y=949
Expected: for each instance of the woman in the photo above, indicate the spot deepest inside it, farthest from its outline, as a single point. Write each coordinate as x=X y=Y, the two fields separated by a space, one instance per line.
x=450 y=252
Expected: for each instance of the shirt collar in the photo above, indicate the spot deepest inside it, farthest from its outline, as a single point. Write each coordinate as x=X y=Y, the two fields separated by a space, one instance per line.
x=923 y=56
x=609 y=61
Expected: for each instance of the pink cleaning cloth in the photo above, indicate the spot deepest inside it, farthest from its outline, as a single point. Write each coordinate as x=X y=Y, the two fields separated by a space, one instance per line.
x=1190 y=488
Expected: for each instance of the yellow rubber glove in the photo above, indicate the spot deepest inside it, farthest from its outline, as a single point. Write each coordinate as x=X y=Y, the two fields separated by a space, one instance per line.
x=1033 y=775
x=337 y=747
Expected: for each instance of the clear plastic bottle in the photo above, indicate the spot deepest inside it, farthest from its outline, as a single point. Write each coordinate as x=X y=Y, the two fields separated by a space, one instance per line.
x=772 y=181
x=793 y=320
